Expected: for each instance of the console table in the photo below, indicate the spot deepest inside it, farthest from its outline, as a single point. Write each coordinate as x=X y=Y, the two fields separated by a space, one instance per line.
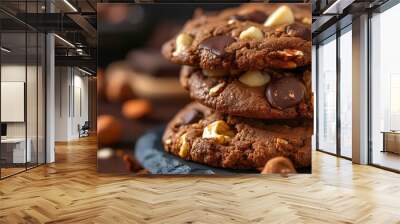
x=13 y=150
x=391 y=141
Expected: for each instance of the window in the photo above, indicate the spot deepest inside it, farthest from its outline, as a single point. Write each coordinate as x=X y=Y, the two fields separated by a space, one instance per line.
x=327 y=96
x=22 y=78
x=385 y=89
x=346 y=92
x=15 y=149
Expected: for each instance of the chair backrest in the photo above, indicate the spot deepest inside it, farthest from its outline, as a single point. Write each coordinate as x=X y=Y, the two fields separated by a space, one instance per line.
x=86 y=124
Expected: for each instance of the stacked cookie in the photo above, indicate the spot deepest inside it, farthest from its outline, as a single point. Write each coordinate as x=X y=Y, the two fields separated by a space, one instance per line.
x=248 y=68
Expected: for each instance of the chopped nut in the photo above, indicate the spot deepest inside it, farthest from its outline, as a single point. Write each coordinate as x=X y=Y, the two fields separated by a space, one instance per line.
x=184 y=149
x=183 y=41
x=287 y=56
x=284 y=63
x=218 y=130
x=251 y=33
x=283 y=15
x=279 y=165
x=109 y=130
x=214 y=91
x=135 y=109
x=255 y=78
x=282 y=141
x=289 y=65
x=117 y=81
x=168 y=141
x=298 y=53
x=306 y=20
x=214 y=73
x=291 y=53
x=280 y=29
x=196 y=125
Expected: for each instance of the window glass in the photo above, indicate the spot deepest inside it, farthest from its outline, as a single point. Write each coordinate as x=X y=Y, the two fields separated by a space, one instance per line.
x=31 y=97
x=385 y=87
x=327 y=96
x=15 y=150
x=22 y=90
x=346 y=94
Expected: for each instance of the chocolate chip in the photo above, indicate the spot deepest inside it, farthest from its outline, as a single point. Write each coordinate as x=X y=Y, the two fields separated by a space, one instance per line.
x=285 y=92
x=255 y=16
x=192 y=116
x=297 y=30
x=217 y=44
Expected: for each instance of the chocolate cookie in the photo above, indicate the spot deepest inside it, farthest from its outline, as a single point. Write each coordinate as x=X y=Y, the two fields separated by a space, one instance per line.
x=251 y=37
x=267 y=94
x=198 y=134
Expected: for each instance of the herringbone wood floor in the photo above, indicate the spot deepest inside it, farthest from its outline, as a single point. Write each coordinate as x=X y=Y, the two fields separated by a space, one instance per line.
x=70 y=191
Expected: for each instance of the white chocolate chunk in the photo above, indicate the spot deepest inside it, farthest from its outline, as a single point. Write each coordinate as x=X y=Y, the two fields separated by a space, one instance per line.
x=218 y=130
x=254 y=78
x=251 y=33
x=283 y=15
x=183 y=41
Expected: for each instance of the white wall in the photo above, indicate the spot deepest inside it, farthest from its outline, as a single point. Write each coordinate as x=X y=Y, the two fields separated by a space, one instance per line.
x=70 y=84
x=80 y=102
x=12 y=73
